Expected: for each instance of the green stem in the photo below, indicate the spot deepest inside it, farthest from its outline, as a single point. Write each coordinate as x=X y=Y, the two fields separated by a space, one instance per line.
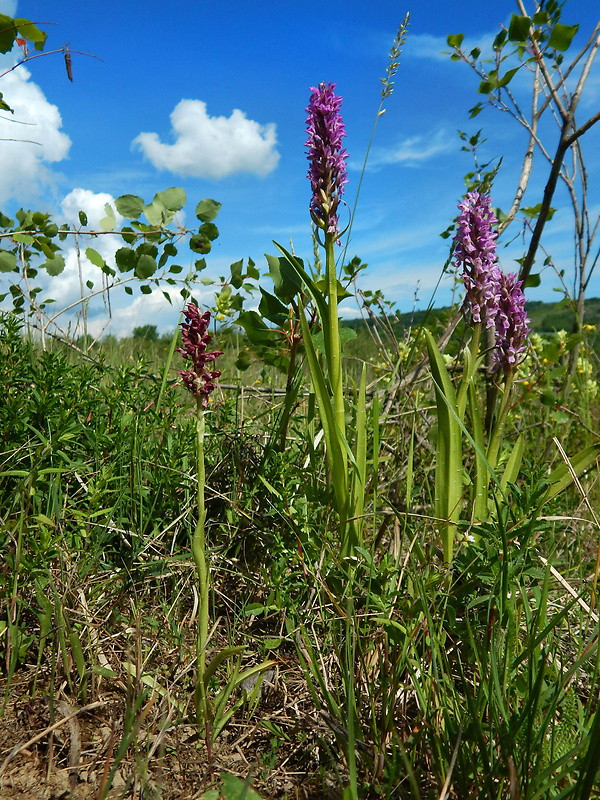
x=203 y=570
x=470 y=370
x=494 y=446
x=333 y=347
x=333 y=351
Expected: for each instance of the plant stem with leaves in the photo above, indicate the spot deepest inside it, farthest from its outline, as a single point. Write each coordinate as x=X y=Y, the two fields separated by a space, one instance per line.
x=200 y=381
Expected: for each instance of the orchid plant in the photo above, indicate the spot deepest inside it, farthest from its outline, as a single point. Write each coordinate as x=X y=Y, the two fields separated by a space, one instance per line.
x=327 y=174
x=200 y=381
x=494 y=303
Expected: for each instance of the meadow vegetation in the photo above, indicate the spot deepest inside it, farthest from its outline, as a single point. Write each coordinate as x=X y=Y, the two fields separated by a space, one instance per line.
x=362 y=561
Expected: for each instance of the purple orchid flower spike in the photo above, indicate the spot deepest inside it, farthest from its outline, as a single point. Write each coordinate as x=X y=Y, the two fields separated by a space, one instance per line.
x=511 y=324
x=476 y=253
x=327 y=171
x=194 y=334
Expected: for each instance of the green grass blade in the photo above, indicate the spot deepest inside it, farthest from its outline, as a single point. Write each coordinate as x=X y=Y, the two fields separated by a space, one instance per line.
x=448 y=468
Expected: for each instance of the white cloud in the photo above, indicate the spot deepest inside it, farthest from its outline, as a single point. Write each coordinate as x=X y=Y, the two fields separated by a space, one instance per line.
x=414 y=150
x=90 y=202
x=212 y=147
x=23 y=164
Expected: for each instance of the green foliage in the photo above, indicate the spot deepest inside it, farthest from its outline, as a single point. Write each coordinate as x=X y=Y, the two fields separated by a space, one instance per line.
x=34 y=243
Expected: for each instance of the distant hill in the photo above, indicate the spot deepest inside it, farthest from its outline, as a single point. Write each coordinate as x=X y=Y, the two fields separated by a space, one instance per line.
x=545 y=317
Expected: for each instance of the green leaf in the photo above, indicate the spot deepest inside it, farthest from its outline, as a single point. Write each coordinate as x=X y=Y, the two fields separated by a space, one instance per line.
x=169 y=250
x=519 y=27
x=54 y=266
x=272 y=308
x=360 y=452
x=23 y=238
x=499 y=40
x=335 y=441
x=533 y=212
x=346 y=335
x=95 y=257
x=128 y=235
x=236 y=789
x=252 y=271
x=219 y=658
x=154 y=212
x=455 y=40
x=513 y=465
x=210 y=231
x=146 y=266
x=257 y=331
x=126 y=259
x=533 y=280
x=508 y=76
x=236 y=274
x=172 y=199
x=561 y=477
x=342 y=292
x=108 y=222
x=207 y=210
x=8 y=33
x=30 y=32
x=130 y=206
x=83 y=218
x=448 y=467
x=286 y=280
x=4 y=105
x=562 y=36
x=480 y=500
x=8 y=260
x=200 y=244
x=145 y=289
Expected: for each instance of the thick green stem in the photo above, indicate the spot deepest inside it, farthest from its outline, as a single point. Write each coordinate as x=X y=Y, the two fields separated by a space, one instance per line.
x=333 y=346
x=470 y=370
x=496 y=438
x=348 y=524
x=203 y=570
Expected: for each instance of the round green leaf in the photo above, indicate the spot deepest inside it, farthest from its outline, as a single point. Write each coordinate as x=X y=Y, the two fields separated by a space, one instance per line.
x=145 y=267
x=125 y=258
x=172 y=199
x=130 y=206
x=54 y=266
x=207 y=210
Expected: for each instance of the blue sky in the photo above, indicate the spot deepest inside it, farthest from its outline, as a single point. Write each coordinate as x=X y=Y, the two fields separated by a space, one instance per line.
x=141 y=119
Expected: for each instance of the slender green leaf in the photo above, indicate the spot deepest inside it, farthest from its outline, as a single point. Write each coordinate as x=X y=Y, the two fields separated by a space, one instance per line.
x=448 y=467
